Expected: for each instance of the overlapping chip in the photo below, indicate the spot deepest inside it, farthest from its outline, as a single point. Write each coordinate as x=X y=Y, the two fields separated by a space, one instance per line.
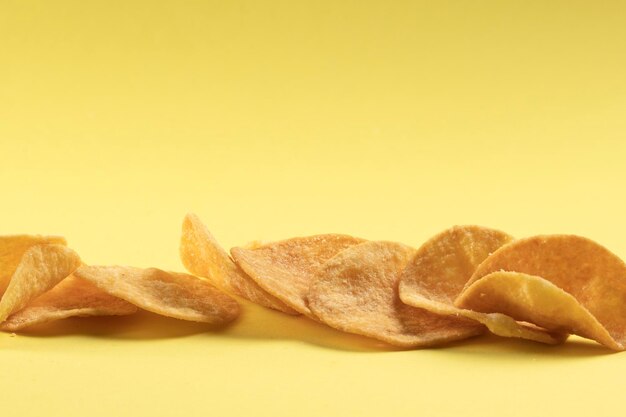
x=438 y=272
x=559 y=278
x=203 y=256
x=72 y=297
x=286 y=268
x=12 y=249
x=41 y=267
x=171 y=294
x=357 y=291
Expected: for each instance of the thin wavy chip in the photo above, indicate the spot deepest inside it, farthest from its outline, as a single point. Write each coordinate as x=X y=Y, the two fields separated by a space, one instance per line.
x=286 y=268
x=203 y=256
x=41 y=268
x=579 y=266
x=436 y=275
x=12 y=249
x=537 y=300
x=357 y=291
x=171 y=294
x=72 y=297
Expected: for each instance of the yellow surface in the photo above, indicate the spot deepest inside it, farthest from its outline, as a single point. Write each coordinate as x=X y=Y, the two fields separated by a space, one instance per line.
x=386 y=120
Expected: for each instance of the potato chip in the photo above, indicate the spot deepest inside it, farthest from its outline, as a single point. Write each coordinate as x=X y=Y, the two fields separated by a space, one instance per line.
x=285 y=268
x=72 y=297
x=203 y=256
x=357 y=291
x=12 y=249
x=590 y=273
x=41 y=268
x=537 y=300
x=436 y=275
x=171 y=294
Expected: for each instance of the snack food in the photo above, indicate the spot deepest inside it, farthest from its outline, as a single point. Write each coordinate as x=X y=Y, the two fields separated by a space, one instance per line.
x=438 y=272
x=72 y=297
x=12 y=249
x=171 y=294
x=41 y=267
x=286 y=268
x=203 y=256
x=357 y=291
x=579 y=267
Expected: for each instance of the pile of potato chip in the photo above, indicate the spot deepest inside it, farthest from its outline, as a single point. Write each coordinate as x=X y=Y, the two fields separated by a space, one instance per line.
x=460 y=283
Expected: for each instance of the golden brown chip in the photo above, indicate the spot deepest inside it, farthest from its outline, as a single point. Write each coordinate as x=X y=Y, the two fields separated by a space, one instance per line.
x=285 y=268
x=436 y=275
x=203 y=256
x=536 y=300
x=41 y=268
x=582 y=268
x=12 y=249
x=171 y=294
x=72 y=297
x=357 y=291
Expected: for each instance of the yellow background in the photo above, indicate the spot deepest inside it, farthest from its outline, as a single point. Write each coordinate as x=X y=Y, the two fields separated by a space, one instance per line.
x=386 y=120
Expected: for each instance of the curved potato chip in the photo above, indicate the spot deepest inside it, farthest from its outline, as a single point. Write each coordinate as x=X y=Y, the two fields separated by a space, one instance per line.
x=579 y=266
x=285 y=268
x=12 y=249
x=536 y=300
x=72 y=297
x=41 y=268
x=203 y=256
x=357 y=291
x=171 y=294
x=436 y=275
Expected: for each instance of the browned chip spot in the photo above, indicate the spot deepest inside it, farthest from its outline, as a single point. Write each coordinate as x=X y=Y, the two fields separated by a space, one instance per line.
x=203 y=256
x=171 y=294
x=534 y=299
x=436 y=275
x=41 y=268
x=357 y=291
x=586 y=270
x=285 y=268
x=12 y=249
x=72 y=297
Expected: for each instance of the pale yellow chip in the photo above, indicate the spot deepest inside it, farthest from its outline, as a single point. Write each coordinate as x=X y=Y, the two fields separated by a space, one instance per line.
x=171 y=294
x=203 y=256
x=587 y=271
x=537 y=300
x=41 y=268
x=436 y=275
x=12 y=249
x=72 y=297
x=286 y=268
x=357 y=291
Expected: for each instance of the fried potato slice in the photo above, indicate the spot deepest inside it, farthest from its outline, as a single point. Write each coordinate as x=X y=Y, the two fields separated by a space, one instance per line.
x=171 y=294
x=357 y=291
x=438 y=272
x=203 y=256
x=41 y=268
x=537 y=300
x=72 y=297
x=12 y=249
x=285 y=268
x=579 y=266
